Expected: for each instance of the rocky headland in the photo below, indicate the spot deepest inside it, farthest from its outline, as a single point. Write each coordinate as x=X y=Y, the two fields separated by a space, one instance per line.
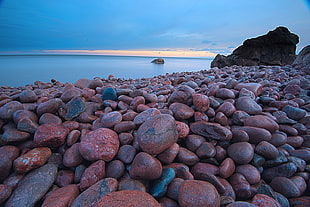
x=230 y=136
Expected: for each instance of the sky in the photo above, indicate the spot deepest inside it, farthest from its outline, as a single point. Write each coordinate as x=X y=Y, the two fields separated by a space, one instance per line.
x=175 y=27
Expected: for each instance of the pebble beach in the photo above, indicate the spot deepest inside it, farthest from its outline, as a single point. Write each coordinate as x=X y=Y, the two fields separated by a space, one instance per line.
x=231 y=136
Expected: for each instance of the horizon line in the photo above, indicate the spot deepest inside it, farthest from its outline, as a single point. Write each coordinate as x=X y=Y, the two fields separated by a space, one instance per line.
x=142 y=53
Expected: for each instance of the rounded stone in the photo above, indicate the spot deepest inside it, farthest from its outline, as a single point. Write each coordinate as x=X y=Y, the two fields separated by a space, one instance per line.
x=145 y=115
x=159 y=186
x=266 y=150
x=241 y=152
x=194 y=141
x=278 y=139
x=198 y=193
x=248 y=105
x=101 y=143
x=5 y=192
x=126 y=153
x=187 y=157
x=62 y=197
x=72 y=156
x=124 y=126
x=285 y=186
x=50 y=106
x=8 y=109
x=48 y=118
x=182 y=94
x=226 y=108
x=111 y=119
x=92 y=174
x=201 y=102
x=206 y=150
x=262 y=121
x=251 y=174
x=283 y=170
x=256 y=88
x=22 y=114
x=202 y=170
x=109 y=94
x=241 y=204
x=211 y=130
x=28 y=96
x=294 y=112
x=145 y=167
x=225 y=93
x=227 y=168
x=256 y=135
x=183 y=129
x=64 y=178
x=181 y=111
x=8 y=155
x=127 y=198
x=50 y=135
x=157 y=134
x=35 y=158
x=131 y=184
x=169 y=154
x=240 y=185
x=115 y=169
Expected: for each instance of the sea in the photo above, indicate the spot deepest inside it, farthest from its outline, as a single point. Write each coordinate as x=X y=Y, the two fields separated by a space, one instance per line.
x=20 y=70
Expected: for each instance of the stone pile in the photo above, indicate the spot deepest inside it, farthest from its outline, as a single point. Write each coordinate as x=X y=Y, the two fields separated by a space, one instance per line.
x=236 y=136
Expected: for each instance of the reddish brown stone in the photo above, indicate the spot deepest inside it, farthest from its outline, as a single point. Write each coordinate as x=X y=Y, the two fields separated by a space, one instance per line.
x=181 y=171
x=267 y=150
x=285 y=186
x=248 y=105
x=157 y=134
x=101 y=143
x=229 y=191
x=262 y=121
x=62 y=197
x=194 y=141
x=239 y=136
x=145 y=115
x=72 y=156
x=241 y=152
x=48 y=118
x=256 y=88
x=181 y=111
x=211 y=130
x=278 y=139
x=64 y=178
x=295 y=141
x=126 y=153
x=206 y=150
x=8 y=109
x=182 y=94
x=50 y=106
x=27 y=125
x=70 y=93
x=73 y=137
x=137 y=101
x=240 y=186
x=227 y=108
x=131 y=184
x=21 y=114
x=262 y=200
x=221 y=119
x=302 y=201
x=227 y=168
x=169 y=154
x=11 y=134
x=187 y=157
x=92 y=174
x=198 y=193
x=90 y=196
x=225 y=93
x=201 y=102
x=173 y=188
x=145 y=167
x=127 y=198
x=5 y=192
x=35 y=158
x=111 y=119
x=124 y=126
x=251 y=174
x=183 y=129
x=256 y=135
x=125 y=138
x=115 y=169
x=203 y=170
x=8 y=155
x=50 y=135
x=28 y=96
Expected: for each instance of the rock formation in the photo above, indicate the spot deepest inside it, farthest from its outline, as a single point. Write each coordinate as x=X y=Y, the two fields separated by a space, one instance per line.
x=158 y=61
x=303 y=57
x=277 y=47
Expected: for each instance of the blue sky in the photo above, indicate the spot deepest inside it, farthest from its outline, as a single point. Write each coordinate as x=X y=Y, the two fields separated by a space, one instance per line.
x=217 y=26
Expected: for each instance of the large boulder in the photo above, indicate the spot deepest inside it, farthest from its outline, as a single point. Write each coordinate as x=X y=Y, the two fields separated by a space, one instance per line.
x=277 y=47
x=303 y=57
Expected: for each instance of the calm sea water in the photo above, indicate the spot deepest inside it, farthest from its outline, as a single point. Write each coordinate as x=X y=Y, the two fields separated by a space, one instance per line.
x=20 y=70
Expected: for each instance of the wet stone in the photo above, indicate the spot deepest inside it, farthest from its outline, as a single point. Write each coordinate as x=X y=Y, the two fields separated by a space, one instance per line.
x=145 y=167
x=74 y=108
x=130 y=184
x=159 y=186
x=211 y=130
x=201 y=102
x=90 y=196
x=225 y=93
x=127 y=198
x=251 y=174
x=33 y=186
x=294 y=112
x=50 y=106
x=169 y=154
x=157 y=134
x=266 y=150
x=226 y=108
x=62 y=197
x=227 y=168
x=248 y=105
x=101 y=143
x=187 y=157
x=33 y=159
x=7 y=110
x=50 y=135
x=283 y=170
x=240 y=186
x=92 y=174
x=182 y=94
x=256 y=135
x=111 y=119
x=198 y=193
x=115 y=169
x=241 y=152
x=183 y=129
x=109 y=94
x=27 y=125
x=28 y=96
x=262 y=121
x=181 y=111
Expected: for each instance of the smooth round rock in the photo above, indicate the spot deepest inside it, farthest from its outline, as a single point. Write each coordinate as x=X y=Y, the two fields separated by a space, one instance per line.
x=256 y=88
x=266 y=150
x=126 y=153
x=159 y=186
x=241 y=204
x=206 y=150
x=145 y=115
x=241 y=152
x=50 y=106
x=72 y=156
x=8 y=109
x=256 y=134
x=33 y=159
x=181 y=111
x=262 y=121
x=5 y=192
x=33 y=186
x=226 y=108
x=285 y=186
x=127 y=198
x=101 y=143
x=111 y=119
x=227 y=168
x=8 y=154
x=182 y=94
x=50 y=135
x=283 y=170
x=48 y=118
x=225 y=93
x=250 y=173
x=186 y=156
x=169 y=154
x=240 y=185
x=201 y=102
x=131 y=184
x=248 y=105
x=194 y=141
x=115 y=169
x=145 y=167
x=157 y=134
x=28 y=96
x=198 y=193
x=183 y=129
x=62 y=197
x=64 y=178
x=211 y=130
x=90 y=196
x=109 y=94
x=92 y=174
x=294 y=112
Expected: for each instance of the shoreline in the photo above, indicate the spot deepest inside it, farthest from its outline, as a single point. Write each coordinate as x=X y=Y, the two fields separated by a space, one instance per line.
x=237 y=130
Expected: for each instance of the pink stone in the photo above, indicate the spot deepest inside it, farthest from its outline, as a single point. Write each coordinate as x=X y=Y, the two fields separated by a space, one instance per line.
x=50 y=135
